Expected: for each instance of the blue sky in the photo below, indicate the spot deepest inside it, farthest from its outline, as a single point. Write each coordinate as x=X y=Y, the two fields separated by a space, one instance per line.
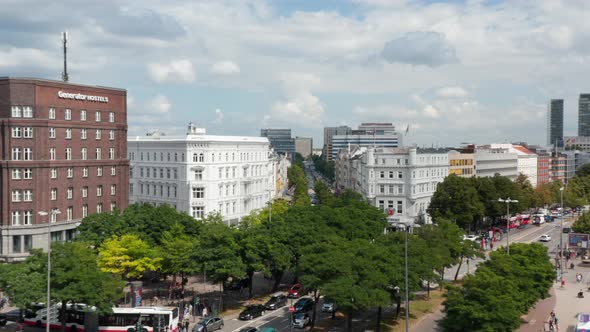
x=454 y=71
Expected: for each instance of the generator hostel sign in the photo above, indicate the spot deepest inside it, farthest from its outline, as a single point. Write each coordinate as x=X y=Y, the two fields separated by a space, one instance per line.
x=81 y=96
x=577 y=240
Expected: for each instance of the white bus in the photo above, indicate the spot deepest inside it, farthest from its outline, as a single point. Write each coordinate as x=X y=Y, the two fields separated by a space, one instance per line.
x=153 y=319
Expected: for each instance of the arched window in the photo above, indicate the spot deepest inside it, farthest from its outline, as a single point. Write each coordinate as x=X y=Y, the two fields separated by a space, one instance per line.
x=201 y=157
x=195 y=158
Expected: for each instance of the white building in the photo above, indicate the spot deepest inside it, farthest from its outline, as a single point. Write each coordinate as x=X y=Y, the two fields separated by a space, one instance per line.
x=202 y=174
x=399 y=181
x=526 y=160
x=490 y=161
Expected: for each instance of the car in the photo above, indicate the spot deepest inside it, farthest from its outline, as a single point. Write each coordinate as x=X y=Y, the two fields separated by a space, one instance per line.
x=545 y=238
x=212 y=324
x=303 y=305
x=252 y=311
x=14 y=315
x=471 y=237
x=295 y=291
x=300 y=320
x=329 y=306
x=248 y=329
x=3 y=320
x=276 y=301
x=567 y=229
x=267 y=329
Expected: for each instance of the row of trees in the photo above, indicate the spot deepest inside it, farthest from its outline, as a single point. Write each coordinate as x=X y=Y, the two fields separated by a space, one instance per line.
x=298 y=183
x=324 y=167
x=473 y=202
x=503 y=289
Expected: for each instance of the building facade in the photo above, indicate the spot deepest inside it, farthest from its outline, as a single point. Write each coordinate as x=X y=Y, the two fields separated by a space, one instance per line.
x=491 y=161
x=202 y=174
x=555 y=123
x=526 y=161
x=280 y=140
x=304 y=146
x=581 y=143
x=330 y=132
x=399 y=181
x=368 y=135
x=462 y=163
x=584 y=114
x=63 y=148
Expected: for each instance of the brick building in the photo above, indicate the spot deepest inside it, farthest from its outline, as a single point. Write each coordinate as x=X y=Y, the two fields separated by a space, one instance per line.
x=63 y=147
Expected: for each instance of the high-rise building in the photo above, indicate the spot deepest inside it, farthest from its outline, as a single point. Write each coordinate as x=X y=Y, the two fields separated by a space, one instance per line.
x=584 y=114
x=64 y=149
x=280 y=140
x=304 y=146
x=202 y=174
x=368 y=135
x=555 y=123
x=330 y=132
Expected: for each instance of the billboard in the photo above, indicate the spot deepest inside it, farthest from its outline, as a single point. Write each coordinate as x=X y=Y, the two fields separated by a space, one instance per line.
x=577 y=240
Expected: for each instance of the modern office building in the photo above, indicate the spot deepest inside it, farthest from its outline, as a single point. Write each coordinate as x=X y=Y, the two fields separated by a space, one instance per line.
x=399 y=181
x=490 y=161
x=526 y=160
x=581 y=143
x=555 y=123
x=330 y=132
x=368 y=135
x=304 y=146
x=280 y=140
x=201 y=174
x=64 y=148
x=584 y=114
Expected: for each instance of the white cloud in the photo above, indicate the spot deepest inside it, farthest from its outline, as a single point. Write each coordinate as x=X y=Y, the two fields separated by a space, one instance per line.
x=451 y=92
x=225 y=68
x=160 y=104
x=218 y=117
x=173 y=71
x=430 y=111
x=427 y=48
x=300 y=105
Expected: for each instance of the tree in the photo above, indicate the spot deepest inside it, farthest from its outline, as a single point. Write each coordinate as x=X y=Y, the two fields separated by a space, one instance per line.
x=323 y=193
x=96 y=228
x=176 y=251
x=582 y=224
x=34 y=271
x=298 y=180
x=129 y=256
x=583 y=170
x=254 y=242
x=456 y=199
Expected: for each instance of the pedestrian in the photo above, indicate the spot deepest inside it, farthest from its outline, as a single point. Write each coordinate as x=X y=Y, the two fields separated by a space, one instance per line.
x=492 y=245
x=205 y=311
x=562 y=282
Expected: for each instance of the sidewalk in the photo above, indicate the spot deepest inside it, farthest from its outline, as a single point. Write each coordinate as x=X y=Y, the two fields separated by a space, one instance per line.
x=536 y=318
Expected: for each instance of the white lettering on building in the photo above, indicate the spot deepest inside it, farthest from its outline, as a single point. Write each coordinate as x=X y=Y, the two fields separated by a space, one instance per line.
x=79 y=96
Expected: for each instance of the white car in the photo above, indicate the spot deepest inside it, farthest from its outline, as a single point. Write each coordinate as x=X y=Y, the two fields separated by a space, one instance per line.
x=545 y=238
x=470 y=237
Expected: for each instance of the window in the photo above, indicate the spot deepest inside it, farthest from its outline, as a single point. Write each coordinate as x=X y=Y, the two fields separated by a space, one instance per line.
x=16 y=153
x=175 y=191
x=16 y=174
x=70 y=172
x=84 y=153
x=68 y=153
x=99 y=191
x=27 y=112
x=99 y=208
x=70 y=193
x=175 y=156
x=28 y=195
x=53 y=194
x=114 y=171
x=198 y=192
x=111 y=117
x=51 y=132
x=113 y=190
x=53 y=173
x=111 y=153
x=68 y=133
x=382 y=189
x=198 y=212
x=51 y=113
x=98 y=153
x=16 y=195
x=199 y=175
x=161 y=173
x=53 y=216
x=227 y=172
x=97 y=116
x=85 y=172
x=85 y=191
x=233 y=173
x=84 y=210
x=16 y=217
x=68 y=114
x=82 y=115
x=400 y=175
x=98 y=134
x=99 y=171
x=28 y=132
x=113 y=206
x=176 y=173
x=17 y=112
x=27 y=154
x=195 y=158
x=131 y=189
x=69 y=213
x=168 y=156
x=51 y=153
x=83 y=133
x=400 y=205
x=391 y=188
x=112 y=135
x=220 y=172
x=16 y=132
x=391 y=174
x=382 y=174
x=167 y=173
x=28 y=174
x=381 y=205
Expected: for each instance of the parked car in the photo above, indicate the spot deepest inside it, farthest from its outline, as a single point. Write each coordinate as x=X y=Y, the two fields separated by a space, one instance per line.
x=3 y=320
x=252 y=311
x=471 y=237
x=303 y=305
x=212 y=324
x=276 y=301
x=545 y=238
x=329 y=306
x=295 y=291
x=567 y=230
x=300 y=320
x=249 y=329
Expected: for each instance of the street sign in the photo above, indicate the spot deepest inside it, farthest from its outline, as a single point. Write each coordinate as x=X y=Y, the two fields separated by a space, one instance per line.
x=291 y=309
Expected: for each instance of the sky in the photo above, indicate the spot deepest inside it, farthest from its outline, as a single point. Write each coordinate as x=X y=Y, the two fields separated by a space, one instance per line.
x=456 y=71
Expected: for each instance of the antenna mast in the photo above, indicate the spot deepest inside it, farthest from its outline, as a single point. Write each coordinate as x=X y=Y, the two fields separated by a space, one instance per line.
x=64 y=75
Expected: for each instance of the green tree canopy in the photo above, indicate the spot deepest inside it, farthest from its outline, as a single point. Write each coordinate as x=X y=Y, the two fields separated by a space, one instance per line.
x=456 y=199
x=129 y=256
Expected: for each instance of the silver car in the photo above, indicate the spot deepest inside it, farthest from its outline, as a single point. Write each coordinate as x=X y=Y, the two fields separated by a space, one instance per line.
x=300 y=320
x=212 y=324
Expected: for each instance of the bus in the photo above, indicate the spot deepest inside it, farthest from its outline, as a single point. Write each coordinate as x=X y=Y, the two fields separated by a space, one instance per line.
x=152 y=319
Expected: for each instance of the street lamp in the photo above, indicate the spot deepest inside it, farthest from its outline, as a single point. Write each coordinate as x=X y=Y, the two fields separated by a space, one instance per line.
x=507 y=201
x=48 y=305
x=561 y=234
x=407 y=229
